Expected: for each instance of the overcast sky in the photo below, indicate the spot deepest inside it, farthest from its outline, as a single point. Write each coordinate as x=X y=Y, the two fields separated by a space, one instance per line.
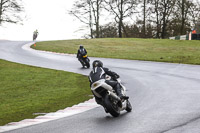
x=51 y=19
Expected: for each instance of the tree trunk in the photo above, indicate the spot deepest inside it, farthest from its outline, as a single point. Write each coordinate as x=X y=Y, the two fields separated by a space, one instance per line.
x=144 y=20
x=120 y=30
x=183 y=16
x=97 y=23
x=90 y=21
x=157 y=19
x=164 y=20
x=121 y=19
x=1 y=5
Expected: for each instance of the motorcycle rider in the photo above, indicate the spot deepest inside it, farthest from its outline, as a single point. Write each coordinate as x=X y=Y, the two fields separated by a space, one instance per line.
x=35 y=34
x=81 y=52
x=99 y=72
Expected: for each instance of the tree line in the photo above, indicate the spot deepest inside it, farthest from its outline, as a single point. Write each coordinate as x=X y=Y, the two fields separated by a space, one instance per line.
x=137 y=18
x=124 y=18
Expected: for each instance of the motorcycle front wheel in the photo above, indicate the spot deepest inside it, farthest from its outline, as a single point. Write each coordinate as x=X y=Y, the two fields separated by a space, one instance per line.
x=111 y=107
x=128 y=106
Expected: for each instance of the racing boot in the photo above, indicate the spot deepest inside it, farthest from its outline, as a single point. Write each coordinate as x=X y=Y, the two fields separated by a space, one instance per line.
x=124 y=97
x=119 y=93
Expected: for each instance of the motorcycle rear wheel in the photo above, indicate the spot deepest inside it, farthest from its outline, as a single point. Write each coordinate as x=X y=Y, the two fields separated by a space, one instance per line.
x=111 y=107
x=88 y=65
x=87 y=62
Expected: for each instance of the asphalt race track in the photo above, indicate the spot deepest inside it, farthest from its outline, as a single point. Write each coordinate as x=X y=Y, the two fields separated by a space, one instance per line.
x=165 y=96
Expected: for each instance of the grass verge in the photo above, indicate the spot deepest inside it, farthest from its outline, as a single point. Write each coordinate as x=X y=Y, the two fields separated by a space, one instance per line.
x=25 y=90
x=161 y=50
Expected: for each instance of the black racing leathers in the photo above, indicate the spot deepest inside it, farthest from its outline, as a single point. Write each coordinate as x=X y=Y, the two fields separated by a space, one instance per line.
x=100 y=73
x=81 y=52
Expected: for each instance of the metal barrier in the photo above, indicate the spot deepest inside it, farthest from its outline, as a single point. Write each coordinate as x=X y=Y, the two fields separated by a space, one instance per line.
x=182 y=37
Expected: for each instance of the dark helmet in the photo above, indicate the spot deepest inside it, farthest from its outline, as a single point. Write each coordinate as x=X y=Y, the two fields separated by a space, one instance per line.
x=81 y=46
x=97 y=63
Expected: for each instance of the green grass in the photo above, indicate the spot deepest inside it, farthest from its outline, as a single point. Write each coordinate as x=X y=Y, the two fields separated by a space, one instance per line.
x=175 y=51
x=25 y=90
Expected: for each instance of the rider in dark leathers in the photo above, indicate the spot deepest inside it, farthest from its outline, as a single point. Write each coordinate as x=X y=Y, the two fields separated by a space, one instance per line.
x=99 y=72
x=35 y=34
x=81 y=52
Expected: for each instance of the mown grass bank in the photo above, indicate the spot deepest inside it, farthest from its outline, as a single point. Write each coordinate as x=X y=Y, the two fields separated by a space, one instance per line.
x=25 y=90
x=175 y=51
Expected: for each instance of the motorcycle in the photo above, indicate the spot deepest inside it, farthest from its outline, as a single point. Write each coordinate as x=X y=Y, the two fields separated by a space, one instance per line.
x=34 y=37
x=111 y=102
x=85 y=61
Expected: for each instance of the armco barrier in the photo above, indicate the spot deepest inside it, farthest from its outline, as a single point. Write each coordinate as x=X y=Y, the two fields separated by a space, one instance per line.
x=186 y=37
x=183 y=37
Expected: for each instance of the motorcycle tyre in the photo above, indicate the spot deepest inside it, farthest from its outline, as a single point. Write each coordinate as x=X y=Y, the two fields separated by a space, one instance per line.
x=88 y=65
x=115 y=112
x=128 y=106
x=82 y=63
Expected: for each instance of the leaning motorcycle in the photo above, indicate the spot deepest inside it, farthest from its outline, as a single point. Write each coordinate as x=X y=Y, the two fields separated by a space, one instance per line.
x=85 y=61
x=111 y=102
x=34 y=36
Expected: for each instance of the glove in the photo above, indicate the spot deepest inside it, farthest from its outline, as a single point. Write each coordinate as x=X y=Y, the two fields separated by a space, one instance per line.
x=116 y=76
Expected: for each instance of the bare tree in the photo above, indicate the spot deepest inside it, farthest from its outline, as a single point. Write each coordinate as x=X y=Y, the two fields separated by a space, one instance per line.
x=10 y=11
x=146 y=12
x=144 y=16
x=183 y=15
x=121 y=9
x=157 y=18
x=195 y=12
x=183 y=12
x=96 y=7
x=167 y=9
x=82 y=10
x=156 y=15
x=88 y=12
x=163 y=10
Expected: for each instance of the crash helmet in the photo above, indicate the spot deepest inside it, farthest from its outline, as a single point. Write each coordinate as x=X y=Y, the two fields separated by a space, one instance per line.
x=97 y=63
x=81 y=46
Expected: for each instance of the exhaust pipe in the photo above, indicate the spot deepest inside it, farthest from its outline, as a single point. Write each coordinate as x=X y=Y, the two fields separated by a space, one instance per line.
x=114 y=95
